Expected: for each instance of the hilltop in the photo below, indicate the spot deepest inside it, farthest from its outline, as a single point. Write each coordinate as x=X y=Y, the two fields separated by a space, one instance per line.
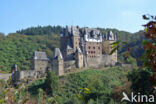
x=17 y=48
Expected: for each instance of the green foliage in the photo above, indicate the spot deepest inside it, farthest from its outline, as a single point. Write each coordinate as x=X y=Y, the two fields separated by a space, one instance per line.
x=140 y=81
x=52 y=83
x=37 y=84
x=41 y=30
x=18 y=49
x=40 y=95
x=92 y=84
x=131 y=60
x=94 y=87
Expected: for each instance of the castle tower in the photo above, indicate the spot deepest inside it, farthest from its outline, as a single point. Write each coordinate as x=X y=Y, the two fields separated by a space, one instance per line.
x=14 y=68
x=79 y=58
x=69 y=52
x=107 y=47
x=76 y=37
x=57 y=62
x=40 y=61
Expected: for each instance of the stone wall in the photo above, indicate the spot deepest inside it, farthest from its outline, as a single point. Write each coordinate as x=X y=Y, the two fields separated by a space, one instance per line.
x=93 y=49
x=107 y=48
x=40 y=64
x=76 y=42
x=69 y=64
x=69 y=55
x=79 y=60
x=129 y=66
x=58 y=66
x=4 y=76
x=27 y=74
x=105 y=60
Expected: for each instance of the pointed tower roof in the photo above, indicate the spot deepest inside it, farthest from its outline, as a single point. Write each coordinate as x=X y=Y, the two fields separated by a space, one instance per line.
x=40 y=55
x=75 y=31
x=78 y=50
x=57 y=53
x=69 y=44
x=68 y=47
x=110 y=36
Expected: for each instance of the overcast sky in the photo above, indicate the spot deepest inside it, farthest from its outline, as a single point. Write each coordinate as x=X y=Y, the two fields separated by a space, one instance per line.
x=120 y=14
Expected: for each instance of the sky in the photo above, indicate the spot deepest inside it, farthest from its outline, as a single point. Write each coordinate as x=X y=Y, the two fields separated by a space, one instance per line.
x=120 y=14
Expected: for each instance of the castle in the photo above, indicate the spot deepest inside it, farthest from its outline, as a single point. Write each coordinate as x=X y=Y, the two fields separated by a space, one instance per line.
x=79 y=47
x=87 y=46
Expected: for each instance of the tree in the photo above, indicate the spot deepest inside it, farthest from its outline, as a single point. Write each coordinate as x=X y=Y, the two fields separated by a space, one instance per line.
x=150 y=46
x=140 y=81
x=52 y=83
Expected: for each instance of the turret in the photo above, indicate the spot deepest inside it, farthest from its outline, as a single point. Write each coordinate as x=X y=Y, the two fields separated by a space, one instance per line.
x=14 y=68
x=110 y=36
x=58 y=62
x=79 y=58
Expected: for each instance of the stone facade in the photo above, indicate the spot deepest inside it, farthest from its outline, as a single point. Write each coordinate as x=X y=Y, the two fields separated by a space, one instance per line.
x=79 y=58
x=40 y=61
x=58 y=62
x=79 y=47
x=94 y=46
x=109 y=38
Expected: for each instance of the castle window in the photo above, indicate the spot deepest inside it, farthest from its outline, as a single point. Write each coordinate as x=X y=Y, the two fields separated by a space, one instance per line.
x=88 y=47
x=93 y=47
x=99 y=47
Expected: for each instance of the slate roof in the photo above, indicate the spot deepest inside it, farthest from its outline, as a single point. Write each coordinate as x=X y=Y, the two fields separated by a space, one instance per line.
x=110 y=36
x=78 y=50
x=40 y=55
x=68 y=47
x=69 y=44
x=57 y=53
x=92 y=32
x=75 y=31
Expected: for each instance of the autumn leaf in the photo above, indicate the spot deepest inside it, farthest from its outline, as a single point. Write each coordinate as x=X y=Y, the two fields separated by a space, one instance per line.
x=127 y=54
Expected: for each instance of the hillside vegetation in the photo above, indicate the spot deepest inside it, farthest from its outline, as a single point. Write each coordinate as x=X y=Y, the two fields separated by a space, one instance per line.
x=91 y=86
x=17 y=48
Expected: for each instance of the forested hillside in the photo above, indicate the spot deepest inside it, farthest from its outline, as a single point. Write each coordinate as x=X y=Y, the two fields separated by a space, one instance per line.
x=90 y=86
x=17 y=48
